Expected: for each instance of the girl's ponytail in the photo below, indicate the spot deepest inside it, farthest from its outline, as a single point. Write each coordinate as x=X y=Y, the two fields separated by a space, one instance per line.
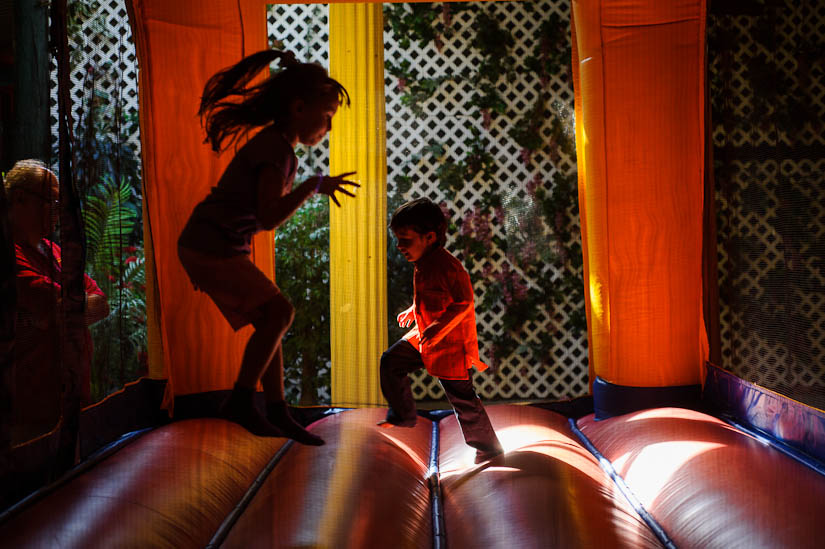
x=223 y=118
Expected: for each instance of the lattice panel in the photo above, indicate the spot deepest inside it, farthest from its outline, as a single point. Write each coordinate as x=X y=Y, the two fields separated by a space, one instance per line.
x=445 y=120
x=104 y=67
x=758 y=161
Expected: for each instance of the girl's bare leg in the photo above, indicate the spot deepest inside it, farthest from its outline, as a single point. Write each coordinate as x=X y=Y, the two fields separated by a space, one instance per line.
x=276 y=317
x=277 y=411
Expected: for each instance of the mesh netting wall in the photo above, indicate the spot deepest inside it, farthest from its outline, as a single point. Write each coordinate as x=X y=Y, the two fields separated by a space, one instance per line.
x=767 y=88
x=106 y=165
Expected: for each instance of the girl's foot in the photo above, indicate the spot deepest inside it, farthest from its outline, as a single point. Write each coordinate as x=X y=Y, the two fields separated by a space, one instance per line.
x=239 y=408
x=278 y=415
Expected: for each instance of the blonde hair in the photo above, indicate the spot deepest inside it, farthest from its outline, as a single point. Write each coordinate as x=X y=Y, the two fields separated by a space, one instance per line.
x=28 y=176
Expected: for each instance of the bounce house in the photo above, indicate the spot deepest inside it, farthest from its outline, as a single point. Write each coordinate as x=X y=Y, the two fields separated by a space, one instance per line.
x=667 y=450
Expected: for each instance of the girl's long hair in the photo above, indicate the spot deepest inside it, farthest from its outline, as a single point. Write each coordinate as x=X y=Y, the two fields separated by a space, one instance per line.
x=229 y=108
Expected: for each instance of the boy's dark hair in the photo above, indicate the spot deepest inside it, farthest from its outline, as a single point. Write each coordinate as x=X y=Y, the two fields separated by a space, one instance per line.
x=230 y=108
x=422 y=215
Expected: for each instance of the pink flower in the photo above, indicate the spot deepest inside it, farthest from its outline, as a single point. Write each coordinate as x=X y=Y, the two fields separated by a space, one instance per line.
x=130 y=259
x=520 y=290
x=528 y=252
x=446 y=15
x=402 y=84
x=486 y=118
x=501 y=217
x=559 y=220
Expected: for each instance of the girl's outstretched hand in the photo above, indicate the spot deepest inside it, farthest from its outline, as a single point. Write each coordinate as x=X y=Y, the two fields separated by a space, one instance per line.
x=329 y=185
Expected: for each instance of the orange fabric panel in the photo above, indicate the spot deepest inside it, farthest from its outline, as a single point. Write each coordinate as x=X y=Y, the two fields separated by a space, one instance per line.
x=366 y=487
x=173 y=487
x=640 y=136
x=546 y=491
x=180 y=45
x=710 y=485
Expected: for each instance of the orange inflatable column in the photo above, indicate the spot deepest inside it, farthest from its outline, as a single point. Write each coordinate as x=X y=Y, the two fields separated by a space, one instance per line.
x=180 y=45
x=639 y=76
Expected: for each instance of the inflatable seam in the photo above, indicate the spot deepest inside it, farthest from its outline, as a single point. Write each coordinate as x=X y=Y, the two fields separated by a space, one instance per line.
x=779 y=446
x=75 y=472
x=439 y=533
x=223 y=530
x=608 y=468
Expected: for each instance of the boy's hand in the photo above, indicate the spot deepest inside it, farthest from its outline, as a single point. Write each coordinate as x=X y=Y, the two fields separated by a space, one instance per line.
x=406 y=318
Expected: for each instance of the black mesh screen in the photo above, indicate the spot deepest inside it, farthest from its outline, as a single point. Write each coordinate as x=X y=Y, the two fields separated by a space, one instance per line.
x=768 y=106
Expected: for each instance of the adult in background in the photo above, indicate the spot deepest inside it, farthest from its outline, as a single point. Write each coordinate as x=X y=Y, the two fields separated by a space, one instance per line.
x=32 y=192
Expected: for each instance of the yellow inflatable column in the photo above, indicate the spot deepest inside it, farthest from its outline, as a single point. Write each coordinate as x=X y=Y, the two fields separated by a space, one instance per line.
x=358 y=232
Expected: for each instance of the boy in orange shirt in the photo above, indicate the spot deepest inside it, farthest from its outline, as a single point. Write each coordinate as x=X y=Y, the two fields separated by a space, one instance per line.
x=444 y=339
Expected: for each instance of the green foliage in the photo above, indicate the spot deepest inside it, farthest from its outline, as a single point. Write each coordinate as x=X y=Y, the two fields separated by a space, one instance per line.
x=109 y=215
x=525 y=132
x=493 y=43
x=302 y=273
x=415 y=91
x=411 y=20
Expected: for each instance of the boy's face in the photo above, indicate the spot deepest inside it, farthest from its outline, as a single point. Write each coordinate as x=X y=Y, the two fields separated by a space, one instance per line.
x=413 y=244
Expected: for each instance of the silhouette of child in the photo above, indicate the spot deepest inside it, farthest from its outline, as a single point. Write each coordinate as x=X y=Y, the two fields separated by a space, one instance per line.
x=444 y=339
x=255 y=193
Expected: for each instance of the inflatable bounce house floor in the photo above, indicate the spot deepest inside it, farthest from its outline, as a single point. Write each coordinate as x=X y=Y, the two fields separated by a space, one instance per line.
x=669 y=477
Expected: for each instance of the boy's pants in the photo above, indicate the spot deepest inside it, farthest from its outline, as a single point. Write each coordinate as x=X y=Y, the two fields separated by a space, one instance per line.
x=402 y=359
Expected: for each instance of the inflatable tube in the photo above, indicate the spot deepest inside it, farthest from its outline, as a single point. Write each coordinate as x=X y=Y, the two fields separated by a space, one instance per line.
x=546 y=491
x=171 y=488
x=366 y=487
x=708 y=484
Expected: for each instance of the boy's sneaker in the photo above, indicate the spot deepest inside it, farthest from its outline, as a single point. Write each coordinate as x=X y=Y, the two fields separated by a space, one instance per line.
x=278 y=415
x=488 y=454
x=387 y=424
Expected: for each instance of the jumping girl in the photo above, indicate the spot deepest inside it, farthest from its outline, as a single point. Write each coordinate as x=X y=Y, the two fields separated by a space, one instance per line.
x=255 y=193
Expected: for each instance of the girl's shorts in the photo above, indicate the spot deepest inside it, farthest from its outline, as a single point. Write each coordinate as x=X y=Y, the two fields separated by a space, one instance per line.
x=236 y=285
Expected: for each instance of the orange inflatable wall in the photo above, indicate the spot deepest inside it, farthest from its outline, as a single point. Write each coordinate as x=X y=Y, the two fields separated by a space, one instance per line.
x=180 y=45
x=639 y=80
